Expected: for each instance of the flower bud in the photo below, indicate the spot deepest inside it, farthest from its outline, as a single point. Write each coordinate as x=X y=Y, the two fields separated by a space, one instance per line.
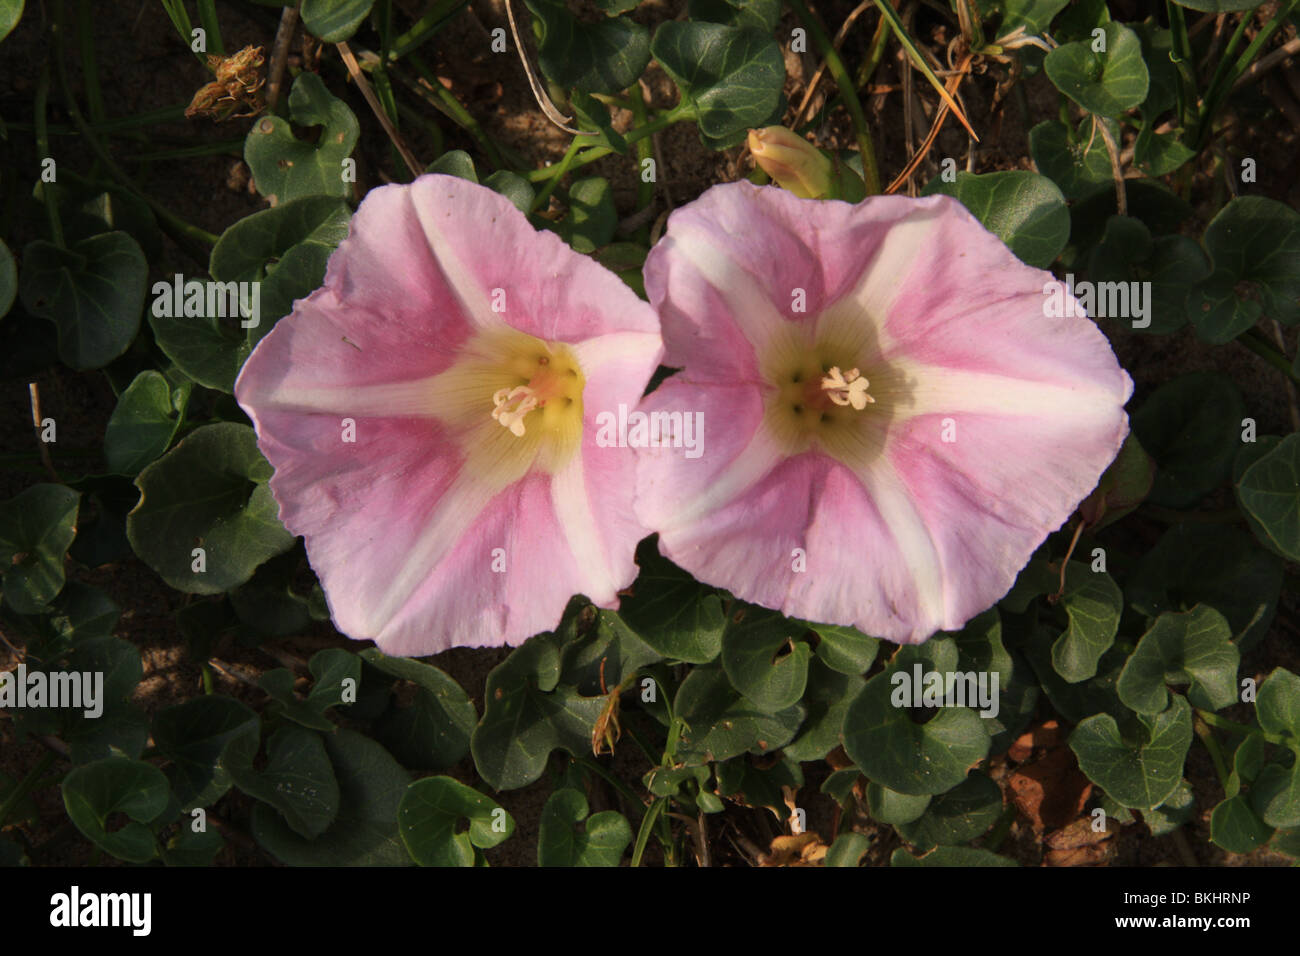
x=793 y=162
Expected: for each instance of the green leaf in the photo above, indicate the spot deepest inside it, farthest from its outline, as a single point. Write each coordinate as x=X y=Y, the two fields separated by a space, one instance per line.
x=566 y=840
x=93 y=292
x=1079 y=165
x=764 y=658
x=827 y=697
x=284 y=250
x=1025 y=210
x=1218 y=565
x=188 y=848
x=672 y=612
x=1278 y=704
x=11 y=12
x=962 y=856
x=844 y=649
x=592 y=216
x=1034 y=15
x=514 y=187
x=1172 y=264
x=1191 y=648
x=433 y=733
x=881 y=737
x=603 y=57
x=960 y=815
x=528 y=714
x=1191 y=427
x=1106 y=83
x=91 y=793
x=431 y=813
x=1235 y=826
x=723 y=723
x=122 y=729
x=36 y=529
x=329 y=669
x=1254 y=245
x=334 y=20
x=1269 y=492
x=847 y=850
x=594 y=116
x=455 y=162
x=1218 y=6
x=607 y=646
x=192 y=736
x=759 y=14
x=1142 y=768
x=371 y=786
x=730 y=78
x=208 y=492
x=1179 y=808
x=1093 y=603
x=1276 y=794
x=8 y=279
x=286 y=168
x=298 y=779
x=144 y=422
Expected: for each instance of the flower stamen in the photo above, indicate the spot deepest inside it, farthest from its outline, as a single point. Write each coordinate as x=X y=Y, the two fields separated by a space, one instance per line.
x=510 y=405
x=846 y=388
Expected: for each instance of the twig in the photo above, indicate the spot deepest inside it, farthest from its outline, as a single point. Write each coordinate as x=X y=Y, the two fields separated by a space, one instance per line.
x=363 y=85
x=35 y=393
x=1117 y=171
x=1266 y=63
x=539 y=94
x=280 y=53
x=838 y=42
x=954 y=81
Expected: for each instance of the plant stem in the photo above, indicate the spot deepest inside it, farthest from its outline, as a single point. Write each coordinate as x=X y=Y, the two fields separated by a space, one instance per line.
x=645 y=191
x=1207 y=739
x=1228 y=72
x=443 y=98
x=560 y=168
x=89 y=69
x=211 y=27
x=424 y=27
x=49 y=191
x=1222 y=723
x=1253 y=340
x=1181 y=53
x=870 y=172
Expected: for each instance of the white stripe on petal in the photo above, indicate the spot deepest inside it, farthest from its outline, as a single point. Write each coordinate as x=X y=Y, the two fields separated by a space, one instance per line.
x=390 y=400
x=747 y=469
x=759 y=320
x=452 y=516
x=584 y=537
x=912 y=538
x=435 y=219
x=616 y=347
x=883 y=277
x=933 y=389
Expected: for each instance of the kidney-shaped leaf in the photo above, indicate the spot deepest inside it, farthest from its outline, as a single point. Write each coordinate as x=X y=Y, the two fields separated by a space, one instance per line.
x=430 y=816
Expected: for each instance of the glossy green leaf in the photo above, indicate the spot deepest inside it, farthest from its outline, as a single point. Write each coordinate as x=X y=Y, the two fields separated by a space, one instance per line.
x=724 y=724
x=763 y=656
x=1269 y=492
x=847 y=850
x=209 y=493
x=36 y=529
x=95 y=791
x=1080 y=166
x=1025 y=210
x=608 y=647
x=11 y=12
x=298 y=779
x=1213 y=564
x=528 y=714
x=192 y=736
x=569 y=837
x=143 y=422
x=1278 y=703
x=730 y=78
x=1107 y=82
x=603 y=57
x=891 y=748
x=1234 y=824
x=1191 y=427
x=1191 y=648
x=331 y=669
x=334 y=20
x=1141 y=767
x=513 y=186
x=455 y=162
x=285 y=167
x=1034 y=15
x=592 y=216
x=844 y=649
x=364 y=833
x=93 y=292
x=827 y=697
x=759 y=14
x=960 y=815
x=433 y=732
x=432 y=814
x=673 y=613
x=1093 y=604
x=1254 y=245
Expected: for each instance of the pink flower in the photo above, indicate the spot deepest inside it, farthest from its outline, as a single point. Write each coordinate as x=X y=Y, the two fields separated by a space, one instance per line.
x=894 y=424
x=429 y=413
